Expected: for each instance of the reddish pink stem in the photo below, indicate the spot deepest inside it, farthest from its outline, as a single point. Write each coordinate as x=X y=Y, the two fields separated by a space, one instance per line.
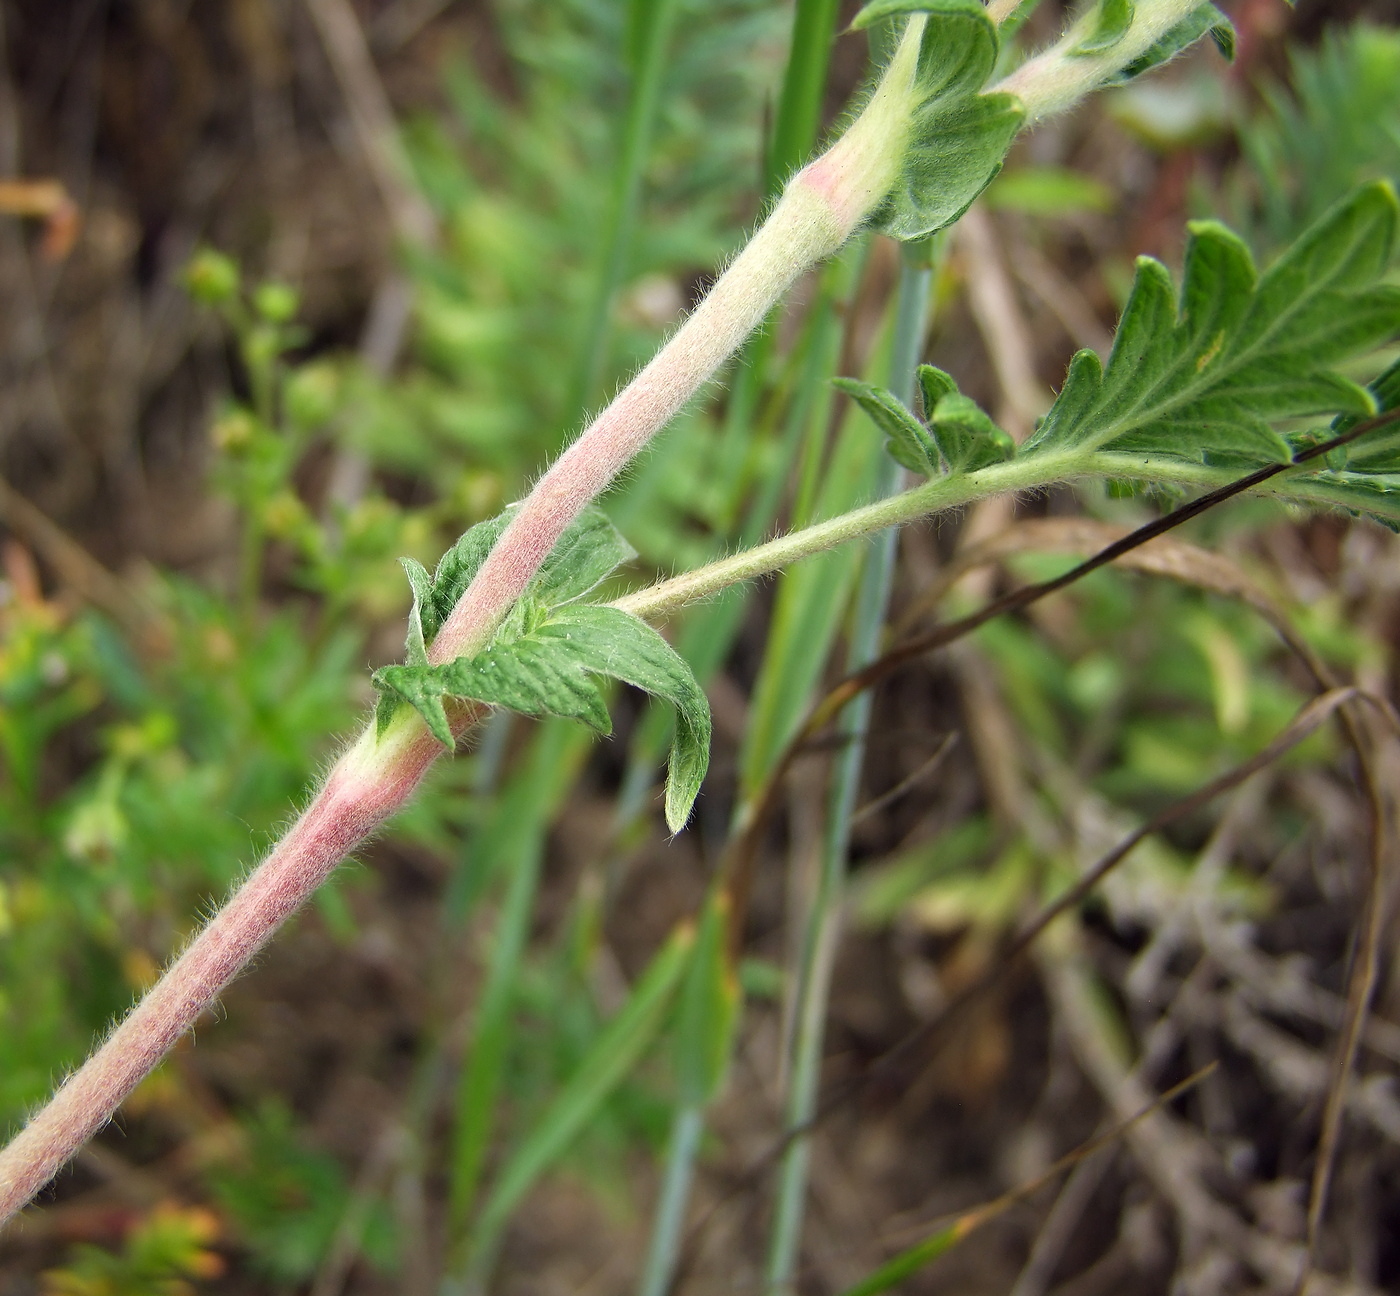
x=819 y=210
x=349 y=807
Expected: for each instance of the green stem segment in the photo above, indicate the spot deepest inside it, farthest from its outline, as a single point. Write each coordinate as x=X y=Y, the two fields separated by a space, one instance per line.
x=824 y=922
x=686 y=1129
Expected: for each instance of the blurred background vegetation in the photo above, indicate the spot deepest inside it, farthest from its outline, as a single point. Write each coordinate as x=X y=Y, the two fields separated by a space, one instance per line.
x=295 y=287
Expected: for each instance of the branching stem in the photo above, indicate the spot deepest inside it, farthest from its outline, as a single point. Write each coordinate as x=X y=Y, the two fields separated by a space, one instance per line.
x=821 y=206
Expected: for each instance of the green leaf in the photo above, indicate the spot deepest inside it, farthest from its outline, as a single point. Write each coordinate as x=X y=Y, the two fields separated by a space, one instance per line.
x=959 y=437
x=457 y=568
x=1203 y=376
x=958 y=138
x=955 y=151
x=909 y=443
x=1111 y=24
x=610 y=642
x=588 y=551
x=586 y=555
x=1363 y=477
x=544 y=659
x=958 y=50
x=934 y=385
x=422 y=585
x=966 y=437
x=1206 y=19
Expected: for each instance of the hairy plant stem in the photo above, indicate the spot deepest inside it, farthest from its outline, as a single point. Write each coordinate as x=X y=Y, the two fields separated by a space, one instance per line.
x=661 y=600
x=377 y=776
x=1059 y=77
x=821 y=206
x=357 y=796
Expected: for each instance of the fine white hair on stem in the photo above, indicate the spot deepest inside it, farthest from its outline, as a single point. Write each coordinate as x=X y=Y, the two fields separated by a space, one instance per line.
x=822 y=205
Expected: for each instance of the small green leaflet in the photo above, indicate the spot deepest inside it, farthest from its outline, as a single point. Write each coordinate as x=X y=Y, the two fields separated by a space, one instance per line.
x=1113 y=19
x=544 y=659
x=958 y=435
x=1205 y=20
x=1111 y=24
x=588 y=552
x=1203 y=376
x=958 y=138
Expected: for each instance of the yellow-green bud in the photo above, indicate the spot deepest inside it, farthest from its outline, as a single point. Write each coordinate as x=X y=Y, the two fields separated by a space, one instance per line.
x=211 y=278
x=276 y=302
x=233 y=431
x=312 y=394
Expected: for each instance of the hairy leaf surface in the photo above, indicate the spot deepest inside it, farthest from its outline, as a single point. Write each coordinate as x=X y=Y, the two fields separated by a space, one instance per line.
x=548 y=656
x=1203 y=376
x=1207 y=20
x=958 y=138
x=957 y=436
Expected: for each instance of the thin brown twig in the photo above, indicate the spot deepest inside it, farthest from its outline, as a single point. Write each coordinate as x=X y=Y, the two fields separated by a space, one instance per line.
x=967 y=1220
x=929 y=766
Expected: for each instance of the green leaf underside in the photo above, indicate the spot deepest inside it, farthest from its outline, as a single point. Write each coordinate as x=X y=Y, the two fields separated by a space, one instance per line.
x=955 y=151
x=957 y=437
x=547 y=657
x=908 y=441
x=1206 y=20
x=958 y=138
x=1201 y=376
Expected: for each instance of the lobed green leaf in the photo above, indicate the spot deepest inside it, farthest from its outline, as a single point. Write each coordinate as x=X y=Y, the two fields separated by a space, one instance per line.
x=958 y=436
x=613 y=643
x=546 y=657
x=909 y=443
x=958 y=138
x=1363 y=477
x=1203 y=376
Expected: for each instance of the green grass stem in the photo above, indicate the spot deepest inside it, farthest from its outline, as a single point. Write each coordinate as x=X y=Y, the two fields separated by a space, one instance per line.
x=823 y=924
x=651 y=24
x=687 y=1129
x=613 y=1055
x=514 y=846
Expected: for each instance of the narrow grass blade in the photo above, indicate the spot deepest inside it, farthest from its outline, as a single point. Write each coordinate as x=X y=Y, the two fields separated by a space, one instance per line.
x=615 y=1053
x=650 y=27
x=512 y=845
x=800 y=106
x=820 y=938
x=687 y=1128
